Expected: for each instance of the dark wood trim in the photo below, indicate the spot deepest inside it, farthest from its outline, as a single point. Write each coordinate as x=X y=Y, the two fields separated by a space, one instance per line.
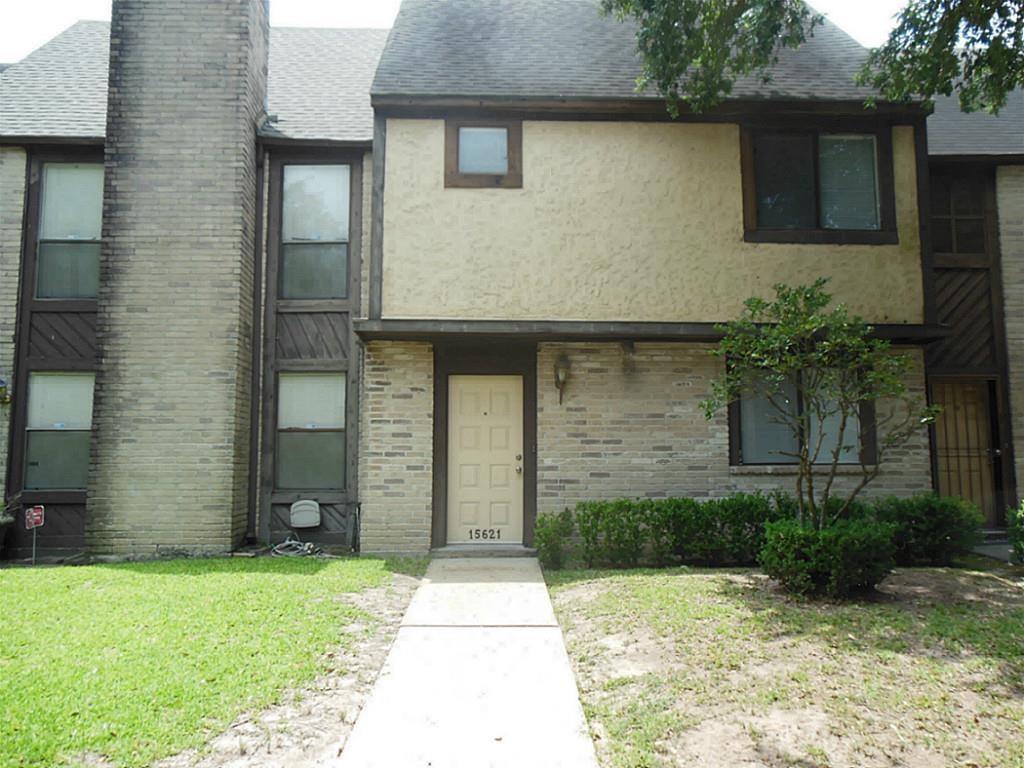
x=286 y=144
x=631 y=109
x=922 y=171
x=469 y=359
x=985 y=161
x=886 y=234
x=46 y=142
x=512 y=179
x=257 y=351
x=380 y=135
x=53 y=497
x=580 y=330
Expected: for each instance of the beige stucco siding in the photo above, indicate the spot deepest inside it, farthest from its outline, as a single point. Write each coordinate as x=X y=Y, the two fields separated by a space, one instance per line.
x=615 y=221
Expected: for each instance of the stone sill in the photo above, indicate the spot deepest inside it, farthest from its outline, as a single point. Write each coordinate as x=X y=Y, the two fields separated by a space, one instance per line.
x=844 y=470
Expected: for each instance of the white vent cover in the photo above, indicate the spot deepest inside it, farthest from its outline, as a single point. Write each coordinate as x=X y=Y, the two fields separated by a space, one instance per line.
x=305 y=514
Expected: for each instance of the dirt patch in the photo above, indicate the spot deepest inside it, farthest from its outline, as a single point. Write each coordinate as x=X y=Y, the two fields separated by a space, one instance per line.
x=309 y=726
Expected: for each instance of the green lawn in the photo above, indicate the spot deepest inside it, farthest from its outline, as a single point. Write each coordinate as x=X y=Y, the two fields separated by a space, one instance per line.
x=137 y=661
x=718 y=668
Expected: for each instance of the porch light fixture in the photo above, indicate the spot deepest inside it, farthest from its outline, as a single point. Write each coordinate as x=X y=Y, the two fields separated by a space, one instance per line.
x=561 y=375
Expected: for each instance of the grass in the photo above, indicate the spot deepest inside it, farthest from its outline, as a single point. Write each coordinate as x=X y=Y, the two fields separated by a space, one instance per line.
x=133 y=662
x=720 y=668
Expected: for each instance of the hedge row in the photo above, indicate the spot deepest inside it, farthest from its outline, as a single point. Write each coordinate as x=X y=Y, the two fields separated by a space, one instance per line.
x=923 y=530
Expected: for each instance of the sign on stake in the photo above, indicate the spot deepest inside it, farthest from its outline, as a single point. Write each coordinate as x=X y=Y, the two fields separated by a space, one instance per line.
x=34 y=519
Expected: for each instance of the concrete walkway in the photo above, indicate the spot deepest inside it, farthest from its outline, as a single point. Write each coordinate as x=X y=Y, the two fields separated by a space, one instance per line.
x=478 y=677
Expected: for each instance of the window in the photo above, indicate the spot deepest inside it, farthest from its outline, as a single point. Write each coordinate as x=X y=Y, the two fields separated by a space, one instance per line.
x=59 y=426
x=484 y=154
x=818 y=187
x=70 y=221
x=315 y=232
x=765 y=439
x=311 y=431
x=958 y=214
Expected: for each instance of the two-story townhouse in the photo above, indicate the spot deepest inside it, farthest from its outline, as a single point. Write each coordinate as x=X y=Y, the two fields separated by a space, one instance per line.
x=228 y=282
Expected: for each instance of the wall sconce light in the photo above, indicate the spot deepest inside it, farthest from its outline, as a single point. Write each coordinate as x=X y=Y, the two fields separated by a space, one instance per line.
x=561 y=375
x=5 y=395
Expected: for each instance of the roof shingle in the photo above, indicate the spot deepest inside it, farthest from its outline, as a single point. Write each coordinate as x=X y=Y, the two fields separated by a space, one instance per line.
x=952 y=132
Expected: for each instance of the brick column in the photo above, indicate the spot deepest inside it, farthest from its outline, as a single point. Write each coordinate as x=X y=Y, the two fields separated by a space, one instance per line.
x=12 y=196
x=171 y=425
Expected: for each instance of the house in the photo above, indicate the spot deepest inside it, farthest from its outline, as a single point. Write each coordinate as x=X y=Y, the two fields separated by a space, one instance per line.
x=440 y=284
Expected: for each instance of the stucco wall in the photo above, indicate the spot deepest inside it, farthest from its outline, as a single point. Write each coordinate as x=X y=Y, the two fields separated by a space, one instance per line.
x=12 y=197
x=630 y=425
x=615 y=221
x=1010 y=207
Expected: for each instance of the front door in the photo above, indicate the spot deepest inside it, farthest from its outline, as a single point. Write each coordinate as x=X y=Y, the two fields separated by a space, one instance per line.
x=485 y=459
x=966 y=450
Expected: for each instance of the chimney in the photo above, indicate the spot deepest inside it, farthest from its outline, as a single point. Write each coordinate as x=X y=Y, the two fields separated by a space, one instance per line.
x=171 y=417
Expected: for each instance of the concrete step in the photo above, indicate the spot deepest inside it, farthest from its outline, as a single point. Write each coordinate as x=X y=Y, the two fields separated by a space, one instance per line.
x=995 y=535
x=483 y=550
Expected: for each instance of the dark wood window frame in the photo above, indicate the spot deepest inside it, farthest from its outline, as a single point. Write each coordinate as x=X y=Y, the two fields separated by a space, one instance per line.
x=512 y=179
x=868 y=440
x=886 y=234
x=29 y=306
x=275 y=307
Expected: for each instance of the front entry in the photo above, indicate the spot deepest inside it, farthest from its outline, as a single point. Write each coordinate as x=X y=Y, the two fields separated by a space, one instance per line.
x=485 y=459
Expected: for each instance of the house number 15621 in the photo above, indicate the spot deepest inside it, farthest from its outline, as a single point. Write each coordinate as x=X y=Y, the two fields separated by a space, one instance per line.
x=485 y=533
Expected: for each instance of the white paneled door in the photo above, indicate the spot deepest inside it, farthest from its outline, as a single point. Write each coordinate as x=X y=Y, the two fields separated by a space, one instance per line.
x=485 y=459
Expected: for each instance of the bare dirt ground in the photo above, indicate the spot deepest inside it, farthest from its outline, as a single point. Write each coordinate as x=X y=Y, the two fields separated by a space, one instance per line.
x=721 y=670
x=309 y=726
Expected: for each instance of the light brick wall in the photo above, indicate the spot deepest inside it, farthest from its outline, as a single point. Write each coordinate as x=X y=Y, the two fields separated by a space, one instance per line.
x=631 y=426
x=1010 y=207
x=171 y=430
x=396 y=446
x=364 y=282
x=12 y=200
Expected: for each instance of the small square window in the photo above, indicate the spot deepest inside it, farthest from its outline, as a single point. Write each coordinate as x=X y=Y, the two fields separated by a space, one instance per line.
x=311 y=436
x=483 y=154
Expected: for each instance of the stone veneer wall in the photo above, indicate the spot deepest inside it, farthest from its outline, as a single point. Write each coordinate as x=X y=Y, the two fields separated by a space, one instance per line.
x=1010 y=207
x=12 y=200
x=396 y=446
x=171 y=427
x=631 y=426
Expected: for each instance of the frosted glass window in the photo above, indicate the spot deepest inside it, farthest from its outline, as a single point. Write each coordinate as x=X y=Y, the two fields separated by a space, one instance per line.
x=848 y=185
x=314 y=271
x=60 y=400
x=310 y=461
x=67 y=270
x=72 y=205
x=830 y=438
x=483 y=150
x=764 y=438
x=311 y=401
x=316 y=201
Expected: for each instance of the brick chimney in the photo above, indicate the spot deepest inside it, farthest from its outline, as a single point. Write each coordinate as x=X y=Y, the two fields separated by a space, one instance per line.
x=171 y=415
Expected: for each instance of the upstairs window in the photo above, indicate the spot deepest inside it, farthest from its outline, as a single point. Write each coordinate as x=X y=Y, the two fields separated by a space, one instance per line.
x=804 y=186
x=483 y=154
x=59 y=427
x=315 y=232
x=70 y=221
x=311 y=431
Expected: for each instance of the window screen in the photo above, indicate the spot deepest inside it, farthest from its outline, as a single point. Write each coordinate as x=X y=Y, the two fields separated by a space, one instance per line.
x=59 y=426
x=311 y=431
x=483 y=150
x=315 y=232
x=70 y=222
x=849 y=188
x=784 y=169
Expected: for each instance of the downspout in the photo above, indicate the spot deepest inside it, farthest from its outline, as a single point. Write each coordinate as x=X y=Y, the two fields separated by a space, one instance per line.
x=256 y=394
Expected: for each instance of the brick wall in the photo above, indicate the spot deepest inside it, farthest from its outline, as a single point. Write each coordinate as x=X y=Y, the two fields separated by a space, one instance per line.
x=396 y=446
x=630 y=425
x=170 y=449
x=12 y=197
x=1010 y=206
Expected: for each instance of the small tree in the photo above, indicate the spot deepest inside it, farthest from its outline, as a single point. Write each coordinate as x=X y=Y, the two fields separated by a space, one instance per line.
x=830 y=360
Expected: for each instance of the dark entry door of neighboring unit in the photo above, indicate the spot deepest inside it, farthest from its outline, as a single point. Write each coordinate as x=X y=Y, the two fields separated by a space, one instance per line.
x=966 y=443
x=967 y=369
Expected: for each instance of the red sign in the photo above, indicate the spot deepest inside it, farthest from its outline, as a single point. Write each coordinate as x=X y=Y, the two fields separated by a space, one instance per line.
x=34 y=517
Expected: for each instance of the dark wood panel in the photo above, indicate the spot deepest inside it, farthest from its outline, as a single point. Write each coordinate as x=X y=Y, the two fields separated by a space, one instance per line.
x=312 y=336
x=337 y=524
x=963 y=301
x=62 y=335
x=63 y=535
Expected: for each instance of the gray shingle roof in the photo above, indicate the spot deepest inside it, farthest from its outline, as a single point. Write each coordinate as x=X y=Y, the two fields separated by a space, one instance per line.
x=318 y=84
x=565 y=49
x=952 y=132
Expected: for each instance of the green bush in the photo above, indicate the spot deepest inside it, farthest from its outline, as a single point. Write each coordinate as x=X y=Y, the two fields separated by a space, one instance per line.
x=930 y=529
x=1015 y=528
x=850 y=557
x=611 y=532
x=730 y=530
x=552 y=536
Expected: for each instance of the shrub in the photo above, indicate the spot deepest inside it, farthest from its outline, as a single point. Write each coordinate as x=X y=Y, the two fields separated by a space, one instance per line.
x=611 y=531
x=660 y=520
x=1015 y=528
x=930 y=529
x=552 y=536
x=849 y=557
